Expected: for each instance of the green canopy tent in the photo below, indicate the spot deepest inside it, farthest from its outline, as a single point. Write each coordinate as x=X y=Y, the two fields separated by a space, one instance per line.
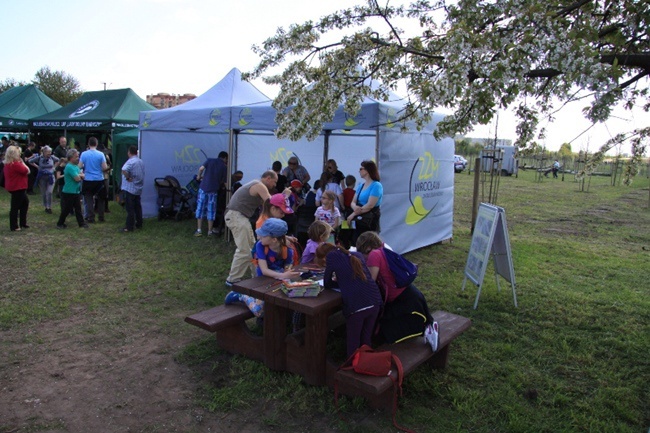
x=108 y=111
x=121 y=143
x=20 y=104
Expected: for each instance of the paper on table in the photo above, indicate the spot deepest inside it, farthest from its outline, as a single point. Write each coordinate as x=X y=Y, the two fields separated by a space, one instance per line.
x=321 y=283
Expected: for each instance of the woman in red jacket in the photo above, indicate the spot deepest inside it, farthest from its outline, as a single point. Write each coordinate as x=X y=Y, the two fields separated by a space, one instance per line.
x=16 y=174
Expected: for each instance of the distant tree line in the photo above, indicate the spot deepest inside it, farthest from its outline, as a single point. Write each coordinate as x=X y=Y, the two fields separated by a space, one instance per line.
x=58 y=85
x=467 y=148
x=472 y=149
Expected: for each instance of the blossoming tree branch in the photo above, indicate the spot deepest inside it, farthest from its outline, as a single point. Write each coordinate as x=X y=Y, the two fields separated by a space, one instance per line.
x=470 y=57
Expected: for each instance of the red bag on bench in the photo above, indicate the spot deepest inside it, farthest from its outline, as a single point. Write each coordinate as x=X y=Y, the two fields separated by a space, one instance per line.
x=367 y=361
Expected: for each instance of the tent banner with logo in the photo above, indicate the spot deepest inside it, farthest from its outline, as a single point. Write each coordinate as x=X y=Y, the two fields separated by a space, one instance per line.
x=175 y=141
x=418 y=181
x=176 y=154
x=417 y=171
x=418 y=186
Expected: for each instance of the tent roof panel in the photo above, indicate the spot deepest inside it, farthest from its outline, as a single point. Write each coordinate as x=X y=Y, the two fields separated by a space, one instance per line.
x=20 y=104
x=210 y=110
x=105 y=109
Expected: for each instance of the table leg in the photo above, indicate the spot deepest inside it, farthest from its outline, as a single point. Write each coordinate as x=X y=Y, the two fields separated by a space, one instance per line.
x=316 y=331
x=275 y=332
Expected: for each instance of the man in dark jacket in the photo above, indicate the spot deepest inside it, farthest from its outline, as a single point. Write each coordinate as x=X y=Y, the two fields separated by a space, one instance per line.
x=212 y=175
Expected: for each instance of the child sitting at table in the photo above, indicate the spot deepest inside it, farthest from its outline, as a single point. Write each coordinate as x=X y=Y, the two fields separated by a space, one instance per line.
x=361 y=297
x=273 y=259
x=406 y=313
x=319 y=232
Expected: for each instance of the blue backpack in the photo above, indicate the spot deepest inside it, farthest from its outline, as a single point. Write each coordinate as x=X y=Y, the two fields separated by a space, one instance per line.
x=403 y=270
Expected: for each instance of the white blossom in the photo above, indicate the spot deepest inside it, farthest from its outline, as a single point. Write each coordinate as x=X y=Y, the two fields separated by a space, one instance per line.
x=472 y=57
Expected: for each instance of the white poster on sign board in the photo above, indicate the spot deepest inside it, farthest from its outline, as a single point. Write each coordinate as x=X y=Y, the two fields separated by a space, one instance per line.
x=490 y=238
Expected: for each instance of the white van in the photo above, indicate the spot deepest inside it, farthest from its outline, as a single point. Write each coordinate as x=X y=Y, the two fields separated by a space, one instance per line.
x=507 y=160
x=460 y=163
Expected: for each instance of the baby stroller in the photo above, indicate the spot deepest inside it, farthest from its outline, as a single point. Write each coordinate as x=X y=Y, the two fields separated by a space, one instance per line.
x=173 y=200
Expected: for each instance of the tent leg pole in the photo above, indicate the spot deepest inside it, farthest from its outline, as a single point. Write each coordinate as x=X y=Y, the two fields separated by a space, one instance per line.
x=231 y=160
x=326 y=148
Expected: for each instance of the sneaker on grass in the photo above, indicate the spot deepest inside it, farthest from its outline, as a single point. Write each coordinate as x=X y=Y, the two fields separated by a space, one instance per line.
x=198 y=234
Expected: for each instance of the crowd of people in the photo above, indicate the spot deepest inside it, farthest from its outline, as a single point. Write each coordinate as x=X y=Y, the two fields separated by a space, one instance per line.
x=349 y=209
x=375 y=308
x=334 y=225
x=79 y=179
x=277 y=222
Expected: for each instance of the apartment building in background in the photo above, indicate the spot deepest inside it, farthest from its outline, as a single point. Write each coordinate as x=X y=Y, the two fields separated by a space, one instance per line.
x=165 y=100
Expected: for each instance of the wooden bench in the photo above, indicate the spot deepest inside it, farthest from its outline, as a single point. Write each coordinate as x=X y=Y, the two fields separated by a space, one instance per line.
x=228 y=322
x=413 y=353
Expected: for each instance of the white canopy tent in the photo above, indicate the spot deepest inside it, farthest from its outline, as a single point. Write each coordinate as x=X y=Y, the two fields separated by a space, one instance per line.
x=416 y=169
x=177 y=140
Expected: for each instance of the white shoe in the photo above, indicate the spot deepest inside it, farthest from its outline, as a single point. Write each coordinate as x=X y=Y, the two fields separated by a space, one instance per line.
x=431 y=336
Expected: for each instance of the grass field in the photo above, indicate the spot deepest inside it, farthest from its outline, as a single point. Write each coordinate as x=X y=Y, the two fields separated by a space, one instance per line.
x=574 y=357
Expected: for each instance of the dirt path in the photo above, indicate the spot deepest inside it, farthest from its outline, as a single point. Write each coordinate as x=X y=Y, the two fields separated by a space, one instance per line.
x=57 y=377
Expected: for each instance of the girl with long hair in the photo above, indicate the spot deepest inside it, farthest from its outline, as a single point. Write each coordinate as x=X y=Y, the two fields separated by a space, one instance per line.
x=327 y=211
x=406 y=313
x=346 y=271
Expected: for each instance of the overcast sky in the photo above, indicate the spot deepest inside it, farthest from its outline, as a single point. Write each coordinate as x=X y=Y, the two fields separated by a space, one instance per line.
x=186 y=46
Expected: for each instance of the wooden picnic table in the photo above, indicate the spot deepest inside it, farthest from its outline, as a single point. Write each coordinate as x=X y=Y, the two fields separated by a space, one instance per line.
x=305 y=352
x=309 y=357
